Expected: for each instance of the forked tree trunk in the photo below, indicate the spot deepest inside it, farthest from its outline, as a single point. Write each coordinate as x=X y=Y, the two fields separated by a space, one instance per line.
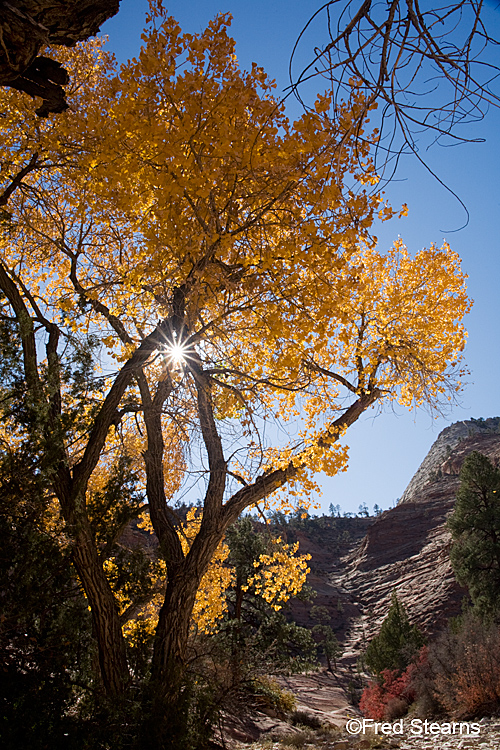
x=169 y=695
x=184 y=580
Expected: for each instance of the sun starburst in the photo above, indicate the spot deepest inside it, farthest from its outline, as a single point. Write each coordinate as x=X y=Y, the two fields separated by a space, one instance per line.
x=177 y=353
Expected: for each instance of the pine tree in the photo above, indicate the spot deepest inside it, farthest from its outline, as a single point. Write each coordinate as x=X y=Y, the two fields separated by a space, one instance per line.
x=327 y=639
x=475 y=527
x=397 y=642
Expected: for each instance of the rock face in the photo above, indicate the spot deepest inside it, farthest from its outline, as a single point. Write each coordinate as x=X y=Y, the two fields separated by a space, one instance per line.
x=446 y=442
x=356 y=563
x=406 y=548
x=28 y=25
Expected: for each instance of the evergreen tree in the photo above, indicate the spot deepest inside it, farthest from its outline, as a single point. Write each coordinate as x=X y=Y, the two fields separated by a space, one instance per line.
x=327 y=640
x=51 y=692
x=45 y=625
x=475 y=527
x=397 y=642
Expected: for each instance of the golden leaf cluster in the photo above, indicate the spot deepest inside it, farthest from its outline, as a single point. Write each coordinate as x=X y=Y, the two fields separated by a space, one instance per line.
x=280 y=575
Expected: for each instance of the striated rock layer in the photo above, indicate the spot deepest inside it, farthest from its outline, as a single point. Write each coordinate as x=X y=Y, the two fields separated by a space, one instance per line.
x=407 y=547
x=447 y=441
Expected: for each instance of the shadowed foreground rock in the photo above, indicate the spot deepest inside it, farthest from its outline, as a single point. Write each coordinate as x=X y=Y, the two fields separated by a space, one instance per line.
x=28 y=25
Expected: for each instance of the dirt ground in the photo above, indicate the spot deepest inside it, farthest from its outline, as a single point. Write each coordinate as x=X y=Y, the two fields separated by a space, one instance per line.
x=320 y=722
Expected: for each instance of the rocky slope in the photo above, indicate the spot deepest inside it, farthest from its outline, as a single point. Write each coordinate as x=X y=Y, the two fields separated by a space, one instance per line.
x=357 y=563
x=407 y=547
x=447 y=441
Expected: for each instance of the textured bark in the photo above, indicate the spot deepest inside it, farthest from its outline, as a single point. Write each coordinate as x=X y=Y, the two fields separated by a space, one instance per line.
x=105 y=617
x=69 y=490
x=167 y=707
x=173 y=626
x=28 y=25
x=44 y=78
x=170 y=544
x=184 y=579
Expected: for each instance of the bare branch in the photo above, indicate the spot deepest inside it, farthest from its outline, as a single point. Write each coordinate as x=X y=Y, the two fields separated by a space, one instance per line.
x=107 y=413
x=213 y=443
x=432 y=70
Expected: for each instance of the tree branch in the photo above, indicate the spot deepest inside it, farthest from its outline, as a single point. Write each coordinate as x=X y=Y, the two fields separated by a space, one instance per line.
x=26 y=331
x=99 y=307
x=107 y=413
x=272 y=480
x=153 y=460
x=339 y=378
x=17 y=180
x=213 y=444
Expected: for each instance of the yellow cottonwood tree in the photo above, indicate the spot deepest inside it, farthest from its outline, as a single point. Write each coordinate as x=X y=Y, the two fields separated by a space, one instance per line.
x=280 y=575
x=215 y=263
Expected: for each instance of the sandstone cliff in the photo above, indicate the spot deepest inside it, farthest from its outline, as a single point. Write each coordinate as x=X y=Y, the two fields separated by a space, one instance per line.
x=406 y=548
x=357 y=562
x=446 y=443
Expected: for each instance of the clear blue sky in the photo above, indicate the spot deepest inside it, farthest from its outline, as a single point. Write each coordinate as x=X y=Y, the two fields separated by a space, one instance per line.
x=385 y=450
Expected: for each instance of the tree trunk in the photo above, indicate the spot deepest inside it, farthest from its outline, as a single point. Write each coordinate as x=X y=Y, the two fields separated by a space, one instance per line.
x=108 y=632
x=168 y=700
x=173 y=627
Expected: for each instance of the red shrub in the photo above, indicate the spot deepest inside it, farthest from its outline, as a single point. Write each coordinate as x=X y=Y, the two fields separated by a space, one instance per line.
x=382 y=700
x=467 y=680
x=372 y=703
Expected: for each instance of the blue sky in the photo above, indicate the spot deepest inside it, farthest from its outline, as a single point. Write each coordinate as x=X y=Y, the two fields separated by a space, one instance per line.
x=387 y=448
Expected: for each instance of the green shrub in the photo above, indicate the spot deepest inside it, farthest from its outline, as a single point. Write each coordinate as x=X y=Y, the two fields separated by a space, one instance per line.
x=268 y=693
